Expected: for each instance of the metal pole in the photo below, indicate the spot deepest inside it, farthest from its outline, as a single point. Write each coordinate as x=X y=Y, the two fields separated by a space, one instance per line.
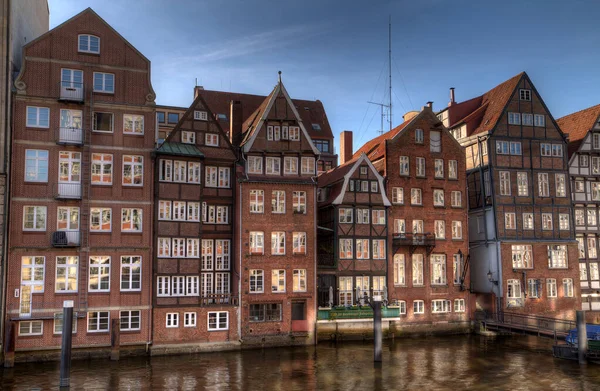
x=377 y=328
x=582 y=342
x=67 y=339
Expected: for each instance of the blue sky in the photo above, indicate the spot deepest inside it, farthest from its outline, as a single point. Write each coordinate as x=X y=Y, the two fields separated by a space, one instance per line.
x=336 y=51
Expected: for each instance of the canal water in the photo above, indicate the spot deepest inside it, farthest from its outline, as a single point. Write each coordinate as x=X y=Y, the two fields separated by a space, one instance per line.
x=449 y=363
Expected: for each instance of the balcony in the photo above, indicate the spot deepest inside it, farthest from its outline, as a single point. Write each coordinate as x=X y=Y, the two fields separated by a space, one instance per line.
x=413 y=240
x=70 y=136
x=62 y=239
x=68 y=191
x=214 y=299
x=71 y=91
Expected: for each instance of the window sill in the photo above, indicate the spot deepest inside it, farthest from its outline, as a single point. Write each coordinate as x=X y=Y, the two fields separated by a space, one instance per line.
x=107 y=93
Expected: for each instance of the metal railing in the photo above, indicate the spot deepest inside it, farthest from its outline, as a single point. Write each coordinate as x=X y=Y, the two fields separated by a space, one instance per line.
x=534 y=323
x=67 y=238
x=70 y=135
x=219 y=299
x=413 y=239
x=71 y=91
x=68 y=191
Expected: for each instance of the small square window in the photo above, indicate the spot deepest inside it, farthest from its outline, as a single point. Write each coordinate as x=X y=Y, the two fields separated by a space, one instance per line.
x=173 y=118
x=525 y=94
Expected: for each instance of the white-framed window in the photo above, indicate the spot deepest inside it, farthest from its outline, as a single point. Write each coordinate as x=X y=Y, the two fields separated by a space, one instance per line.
x=547 y=221
x=525 y=94
x=98 y=321
x=561 y=186
x=88 y=44
x=278 y=281
x=346 y=249
x=456 y=199
x=188 y=137
x=404 y=165
x=514 y=118
x=194 y=172
x=504 y=182
x=179 y=171
x=401 y=306
x=69 y=167
x=299 y=280
x=102 y=168
x=172 y=320
x=584 y=161
x=200 y=115
x=551 y=289
x=294 y=133
x=223 y=254
x=557 y=150
x=189 y=319
x=398 y=195
x=164 y=210
x=133 y=170
x=100 y=219
x=34 y=218
x=67 y=218
x=378 y=216
x=595 y=187
x=440 y=306
x=257 y=242
x=378 y=249
x=420 y=167
x=594 y=272
x=66 y=274
x=399 y=226
x=163 y=286
x=255 y=165
x=457 y=268
x=345 y=215
x=273 y=166
x=580 y=246
x=528 y=221
x=522 y=256
x=278 y=201
x=131 y=273
x=416 y=197
x=579 y=217
x=178 y=286
x=513 y=289
x=362 y=215
x=33 y=271
x=211 y=176
x=211 y=139
x=439 y=168
x=133 y=124
x=104 y=82
x=308 y=165
x=36 y=165
x=543 y=185
x=99 y=278
x=290 y=165
x=557 y=256
x=130 y=320
x=435 y=141
x=439 y=229
x=131 y=220
x=257 y=278
x=522 y=184
x=38 y=117
x=277 y=243
x=567 y=287
x=257 y=201
x=299 y=242
x=438 y=197
x=592 y=247
x=419 y=136
x=563 y=221
x=362 y=248
x=595 y=165
x=452 y=169
x=459 y=305
x=218 y=320
x=438 y=269
x=299 y=202
x=224 y=177
x=399 y=270
x=165 y=170
x=417 y=226
x=417 y=269
x=533 y=288
x=546 y=149
x=418 y=307
x=193 y=211
x=527 y=119
x=457 y=230
x=58 y=323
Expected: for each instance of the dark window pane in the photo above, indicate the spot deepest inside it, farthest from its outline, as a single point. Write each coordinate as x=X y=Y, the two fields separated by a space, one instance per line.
x=160 y=117
x=173 y=118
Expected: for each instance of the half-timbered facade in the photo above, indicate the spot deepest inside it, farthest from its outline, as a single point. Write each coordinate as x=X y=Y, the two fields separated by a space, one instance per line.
x=195 y=294
x=522 y=239
x=352 y=243
x=82 y=188
x=583 y=128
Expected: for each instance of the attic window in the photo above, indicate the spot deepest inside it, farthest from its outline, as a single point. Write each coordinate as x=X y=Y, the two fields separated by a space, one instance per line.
x=306 y=108
x=200 y=115
x=316 y=127
x=89 y=44
x=222 y=117
x=524 y=94
x=363 y=171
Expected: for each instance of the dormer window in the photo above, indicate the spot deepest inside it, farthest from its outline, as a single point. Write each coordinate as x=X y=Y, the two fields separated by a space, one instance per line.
x=89 y=44
x=316 y=127
x=525 y=94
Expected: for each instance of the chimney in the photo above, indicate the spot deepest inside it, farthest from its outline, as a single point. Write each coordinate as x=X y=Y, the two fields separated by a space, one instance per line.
x=430 y=104
x=452 y=101
x=410 y=115
x=345 y=146
x=235 y=120
x=197 y=90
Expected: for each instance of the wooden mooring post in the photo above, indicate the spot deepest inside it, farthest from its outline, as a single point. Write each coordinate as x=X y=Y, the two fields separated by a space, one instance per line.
x=582 y=342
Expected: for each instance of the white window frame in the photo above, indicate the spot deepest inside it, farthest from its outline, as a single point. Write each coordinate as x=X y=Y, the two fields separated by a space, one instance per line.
x=190 y=319
x=71 y=263
x=99 y=316
x=34 y=162
x=38 y=212
x=211 y=139
x=172 y=320
x=135 y=120
x=105 y=84
x=99 y=273
x=133 y=164
x=217 y=324
x=88 y=44
x=40 y=121
x=133 y=263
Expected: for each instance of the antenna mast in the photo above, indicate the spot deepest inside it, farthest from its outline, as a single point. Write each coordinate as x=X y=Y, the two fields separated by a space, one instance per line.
x=390 y=69
x=382 y=105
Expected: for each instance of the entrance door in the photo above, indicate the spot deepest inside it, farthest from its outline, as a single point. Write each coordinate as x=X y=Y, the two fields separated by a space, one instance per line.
x=299 y=322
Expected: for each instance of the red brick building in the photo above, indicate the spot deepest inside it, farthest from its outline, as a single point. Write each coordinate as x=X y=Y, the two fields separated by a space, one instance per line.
x=424 y=168
x=195 y=276
x=521 y=237
x=81 y=188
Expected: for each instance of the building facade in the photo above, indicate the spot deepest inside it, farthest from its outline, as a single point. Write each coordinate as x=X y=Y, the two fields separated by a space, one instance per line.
x=522 y=239
x=81 y=188
x=583 y=128
x=167 y=117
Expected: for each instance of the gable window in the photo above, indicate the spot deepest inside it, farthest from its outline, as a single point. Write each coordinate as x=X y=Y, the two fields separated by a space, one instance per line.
x=514 y=118
x=89 y=44
x=583 y=160
x=420 y=167
x=397 y=195
x=133 y=170
x=419 y=136
x=362 y=216
x=290 y=166
x=273 y=166
x=38 y=117
x=404 y=165
x=596 y=140
x=188 y=137
x=595 y=165
x=539 y=120
x=435 y=141
x=104 y=82
x=524 y=94
x=294 y=133
x=322 y=145
x=527 y=119
x=36 y=165
x=133 y=124
x=211 y=139
x=200 y=115
x=439 y=168
x=278 y=201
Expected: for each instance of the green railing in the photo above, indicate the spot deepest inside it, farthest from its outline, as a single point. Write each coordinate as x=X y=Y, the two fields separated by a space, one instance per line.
x=355 y=313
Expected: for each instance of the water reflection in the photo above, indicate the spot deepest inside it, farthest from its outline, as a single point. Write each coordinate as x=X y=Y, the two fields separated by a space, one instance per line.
x=452 y=363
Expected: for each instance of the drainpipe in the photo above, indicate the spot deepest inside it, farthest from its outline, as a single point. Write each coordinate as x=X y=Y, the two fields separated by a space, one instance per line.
x=241 y=272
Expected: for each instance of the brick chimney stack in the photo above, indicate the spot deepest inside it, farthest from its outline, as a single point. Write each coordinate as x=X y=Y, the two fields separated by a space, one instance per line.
x=452 y=101
x=235 y=120
x=345 y=146
x=197 y=90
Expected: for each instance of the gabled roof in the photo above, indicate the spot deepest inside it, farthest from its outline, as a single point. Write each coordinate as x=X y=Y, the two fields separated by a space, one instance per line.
x=577 y=125
x=375 y=148
x=489 y=106
x=180 y=149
